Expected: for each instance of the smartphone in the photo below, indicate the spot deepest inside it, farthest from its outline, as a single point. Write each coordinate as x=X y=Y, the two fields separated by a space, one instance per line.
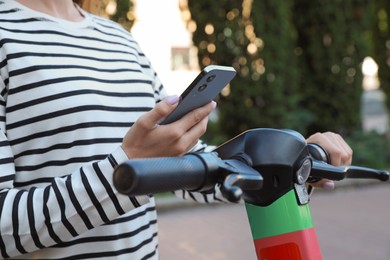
x=205 y=87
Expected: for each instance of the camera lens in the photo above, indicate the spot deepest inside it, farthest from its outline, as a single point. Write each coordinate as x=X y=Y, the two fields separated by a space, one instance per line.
x=202 y=87
x=211 y=78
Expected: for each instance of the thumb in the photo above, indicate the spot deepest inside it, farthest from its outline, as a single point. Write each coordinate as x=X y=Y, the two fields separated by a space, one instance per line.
x=161 y=110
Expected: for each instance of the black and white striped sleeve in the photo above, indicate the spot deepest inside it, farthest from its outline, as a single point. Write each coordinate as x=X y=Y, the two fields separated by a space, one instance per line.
x=70 y=205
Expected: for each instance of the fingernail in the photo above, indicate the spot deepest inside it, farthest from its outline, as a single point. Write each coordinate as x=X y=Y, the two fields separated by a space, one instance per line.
x=329 y=185
x=214 y=104
x=171 y=100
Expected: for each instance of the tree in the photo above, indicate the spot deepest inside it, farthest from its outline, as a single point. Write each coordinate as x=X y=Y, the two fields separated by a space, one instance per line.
x=262 y=94
x=280 y=85
x=120 y=11
x=298 y=61
x=333 y=36
x=124 y=13
x=381 y=40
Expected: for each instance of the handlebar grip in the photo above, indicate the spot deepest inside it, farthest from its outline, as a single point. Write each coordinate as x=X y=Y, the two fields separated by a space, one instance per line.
x=163 y=174
x=318 y=153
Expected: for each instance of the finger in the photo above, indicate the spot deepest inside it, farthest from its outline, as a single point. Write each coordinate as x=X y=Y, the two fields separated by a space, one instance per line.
x=338 y=149
x=194 y=117
x=160 y=111
x=332 y=146
x=346 y=156
x=324 y=184
x=182 y=142
x=325 y=140
x=192 y=136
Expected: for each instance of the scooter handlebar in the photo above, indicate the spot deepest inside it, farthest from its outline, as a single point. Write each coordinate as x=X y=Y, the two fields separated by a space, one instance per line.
x=164 y=174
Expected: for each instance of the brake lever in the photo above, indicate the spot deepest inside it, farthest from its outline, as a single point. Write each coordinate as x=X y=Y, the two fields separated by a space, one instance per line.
x=240 y=177
x=322 y=170
x=357 y=172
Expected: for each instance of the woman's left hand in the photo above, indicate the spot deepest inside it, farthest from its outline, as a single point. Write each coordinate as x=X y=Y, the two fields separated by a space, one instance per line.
x=338 y=150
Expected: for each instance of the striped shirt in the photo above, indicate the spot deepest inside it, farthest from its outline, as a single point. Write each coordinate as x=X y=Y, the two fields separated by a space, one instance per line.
x=69 y=93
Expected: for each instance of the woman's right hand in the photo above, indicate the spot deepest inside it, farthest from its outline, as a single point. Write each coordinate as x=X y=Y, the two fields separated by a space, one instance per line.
x=146 y=138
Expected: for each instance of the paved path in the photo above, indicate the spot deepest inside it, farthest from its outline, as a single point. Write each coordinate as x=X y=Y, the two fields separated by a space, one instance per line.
x=351 y=223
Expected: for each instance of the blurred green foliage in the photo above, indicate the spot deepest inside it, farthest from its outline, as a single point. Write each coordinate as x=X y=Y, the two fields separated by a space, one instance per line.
x=370 y=149
x=124 y=13
x=305 y=73
x=381 y=43
x=333 y=37
x=266 y=65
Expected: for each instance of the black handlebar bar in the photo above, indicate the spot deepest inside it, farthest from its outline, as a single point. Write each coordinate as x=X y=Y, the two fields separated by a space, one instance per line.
x=154 y=175
x=192 y=172
x=196 y=172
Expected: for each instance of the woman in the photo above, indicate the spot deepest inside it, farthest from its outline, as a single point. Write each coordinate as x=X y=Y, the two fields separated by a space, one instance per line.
x=78 y=97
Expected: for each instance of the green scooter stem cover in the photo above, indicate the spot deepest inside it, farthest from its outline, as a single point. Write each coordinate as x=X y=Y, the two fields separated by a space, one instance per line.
x=281 y=217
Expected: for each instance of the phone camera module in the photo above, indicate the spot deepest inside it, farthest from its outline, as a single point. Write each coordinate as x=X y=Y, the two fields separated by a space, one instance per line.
x=211 y=78
x=202 y=87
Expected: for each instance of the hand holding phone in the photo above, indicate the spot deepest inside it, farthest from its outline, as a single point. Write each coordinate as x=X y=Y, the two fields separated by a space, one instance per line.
x=206 y=87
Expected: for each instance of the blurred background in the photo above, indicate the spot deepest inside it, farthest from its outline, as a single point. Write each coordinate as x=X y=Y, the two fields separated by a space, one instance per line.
x=305 y=65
